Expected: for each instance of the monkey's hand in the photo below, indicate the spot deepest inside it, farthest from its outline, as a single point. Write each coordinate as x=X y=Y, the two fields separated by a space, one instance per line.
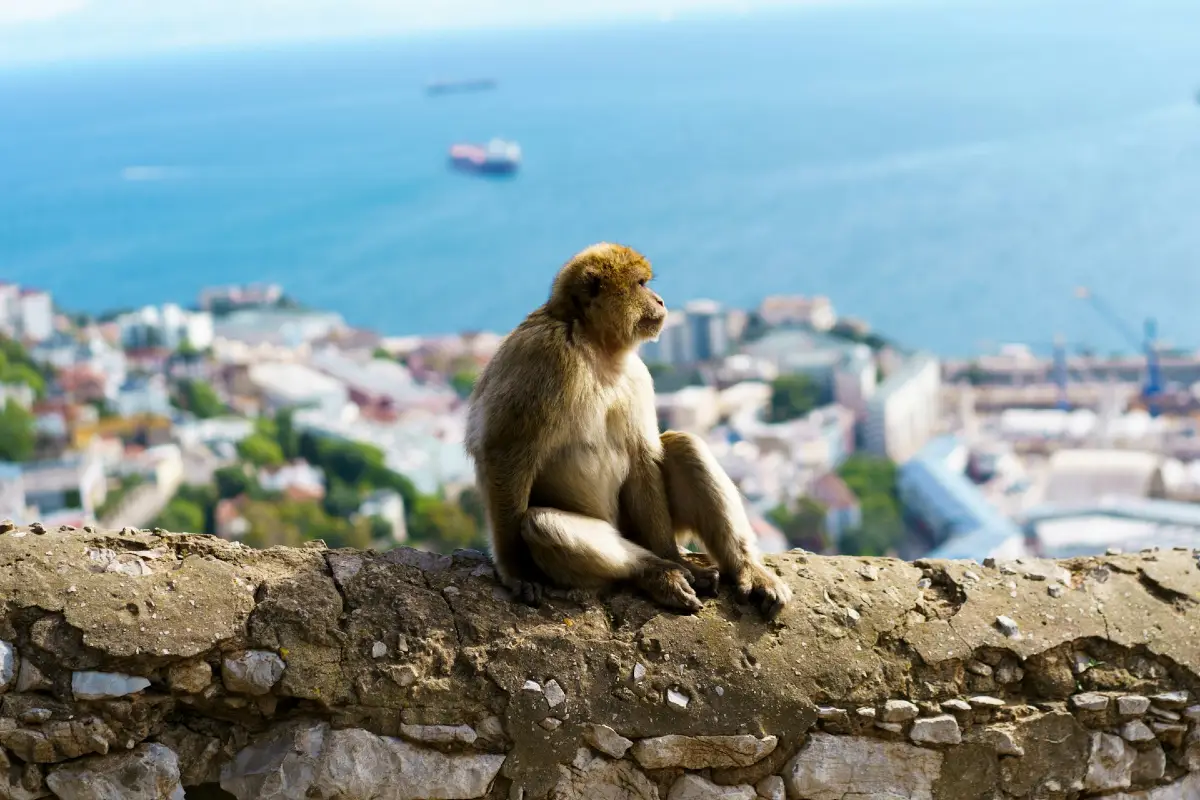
x=763 y=588
x=706 y=578
x=670 y=585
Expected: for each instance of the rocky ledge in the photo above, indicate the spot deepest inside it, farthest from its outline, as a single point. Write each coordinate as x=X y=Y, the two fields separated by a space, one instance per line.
x=149 y=665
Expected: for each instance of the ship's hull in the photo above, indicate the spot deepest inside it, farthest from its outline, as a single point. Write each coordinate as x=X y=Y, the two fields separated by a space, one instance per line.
x=485 y=168
x=472 y=158
x=454 y=87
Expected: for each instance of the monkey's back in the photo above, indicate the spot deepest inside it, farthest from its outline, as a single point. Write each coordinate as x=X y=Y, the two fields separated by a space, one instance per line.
x=522 y=390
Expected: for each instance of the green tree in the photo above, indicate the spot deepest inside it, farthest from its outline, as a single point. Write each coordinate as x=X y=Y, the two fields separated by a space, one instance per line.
x=232 y=481
x=470 y=501
x=873 y=481
x=199 y=398
x=26 y=375
x=261 y=450
x=182 y=516
x=17 y=366
x=443 y=525
x=349 y=461
x=463 y=382
x=975 y=374
x=357 y=534
x=381 y=529
x=792 y=397
x=380 y=477
x=292 y=522
x=18 y=433
x=187 y=351
x=869 y=475
x=285 y=434
x=803 y=526
x=341 y=500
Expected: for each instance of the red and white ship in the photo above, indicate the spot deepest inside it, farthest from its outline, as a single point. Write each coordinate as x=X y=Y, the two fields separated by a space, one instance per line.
x=497 y=156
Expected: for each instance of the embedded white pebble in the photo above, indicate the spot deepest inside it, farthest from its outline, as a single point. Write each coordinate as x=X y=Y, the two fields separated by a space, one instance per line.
x=555 y=695
x=677 y=699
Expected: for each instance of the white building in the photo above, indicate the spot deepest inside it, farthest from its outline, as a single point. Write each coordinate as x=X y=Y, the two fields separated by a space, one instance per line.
x=814 y=312
x=854 y=380
x=381 y=383
x=692 y=408
x=167 y=326
x=36 y=315
x=298 y=475
x=74 y=482
x=26 y=313
x=388 y=506
x=745 y=400
x=902 y=416
x=1077 y=477
x=283 y=385
x=744 y=367
x=10 y=308
x=143 y=395
x=424 y=447
x=12 y=493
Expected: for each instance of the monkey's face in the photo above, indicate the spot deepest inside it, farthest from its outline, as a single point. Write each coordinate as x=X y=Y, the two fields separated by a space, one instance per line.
x=605 y=288
x=653 y=312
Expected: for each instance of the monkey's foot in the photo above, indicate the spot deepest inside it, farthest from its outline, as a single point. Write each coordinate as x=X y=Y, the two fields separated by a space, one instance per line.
x=763 y=588
x=669 y=585
x=528 y=592
x=705 y=577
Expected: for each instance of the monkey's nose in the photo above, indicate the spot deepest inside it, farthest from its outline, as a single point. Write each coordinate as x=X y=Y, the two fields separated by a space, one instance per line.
x=659 y=300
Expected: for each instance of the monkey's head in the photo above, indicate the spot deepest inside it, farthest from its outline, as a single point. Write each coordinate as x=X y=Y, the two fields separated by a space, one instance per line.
x=602 y=292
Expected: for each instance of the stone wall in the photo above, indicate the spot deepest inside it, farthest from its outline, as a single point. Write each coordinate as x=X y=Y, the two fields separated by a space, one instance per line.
x=145 y=665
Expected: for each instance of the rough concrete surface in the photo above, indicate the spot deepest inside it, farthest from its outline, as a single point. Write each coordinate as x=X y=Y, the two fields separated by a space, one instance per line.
x=153 y=665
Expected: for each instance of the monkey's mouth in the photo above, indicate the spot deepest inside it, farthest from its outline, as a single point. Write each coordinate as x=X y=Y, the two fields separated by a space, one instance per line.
x=651 y=327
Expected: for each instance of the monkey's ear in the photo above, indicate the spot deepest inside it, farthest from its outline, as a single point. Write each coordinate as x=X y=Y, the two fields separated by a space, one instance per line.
x=592 y=282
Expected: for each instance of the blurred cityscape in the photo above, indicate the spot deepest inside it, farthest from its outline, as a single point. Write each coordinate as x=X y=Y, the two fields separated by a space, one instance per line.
x=252 y=418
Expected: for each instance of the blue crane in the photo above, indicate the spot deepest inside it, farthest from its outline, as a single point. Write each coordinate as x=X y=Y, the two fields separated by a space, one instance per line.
x=1147 y=343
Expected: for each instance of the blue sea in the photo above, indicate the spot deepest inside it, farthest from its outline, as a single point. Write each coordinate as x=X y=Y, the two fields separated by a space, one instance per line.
x=949 y=171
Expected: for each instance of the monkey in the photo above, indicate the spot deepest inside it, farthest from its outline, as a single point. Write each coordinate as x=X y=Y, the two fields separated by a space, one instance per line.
x=580 y=489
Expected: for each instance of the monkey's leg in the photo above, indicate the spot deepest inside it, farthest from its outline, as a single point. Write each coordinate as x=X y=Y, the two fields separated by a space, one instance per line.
x=579 y=552
x=703 y=499
x=646 y=519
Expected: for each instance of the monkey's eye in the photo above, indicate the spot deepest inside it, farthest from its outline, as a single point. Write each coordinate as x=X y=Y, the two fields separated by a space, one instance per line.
x=642 y=282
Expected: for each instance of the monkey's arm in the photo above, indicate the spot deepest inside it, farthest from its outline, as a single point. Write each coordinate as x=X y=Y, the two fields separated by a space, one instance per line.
x=507 y=500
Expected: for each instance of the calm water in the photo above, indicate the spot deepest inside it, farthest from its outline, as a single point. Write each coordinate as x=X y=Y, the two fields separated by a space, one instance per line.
x=947 y=171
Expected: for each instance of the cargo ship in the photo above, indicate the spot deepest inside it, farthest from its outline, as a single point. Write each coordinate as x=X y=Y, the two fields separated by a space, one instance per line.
x=497 y=157
x=470 y=85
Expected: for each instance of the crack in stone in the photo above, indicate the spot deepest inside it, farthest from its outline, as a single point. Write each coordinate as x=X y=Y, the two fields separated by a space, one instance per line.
x=1180 y=601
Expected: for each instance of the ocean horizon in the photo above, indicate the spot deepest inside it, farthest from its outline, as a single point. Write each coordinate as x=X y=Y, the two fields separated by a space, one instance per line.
x=947 y=172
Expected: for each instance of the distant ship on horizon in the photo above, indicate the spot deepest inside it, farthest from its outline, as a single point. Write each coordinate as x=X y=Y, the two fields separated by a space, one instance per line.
x=452 y=86
x=497 y=157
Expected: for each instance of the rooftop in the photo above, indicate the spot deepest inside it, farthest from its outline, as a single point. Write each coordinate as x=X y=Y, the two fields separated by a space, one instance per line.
x=834 y=492
x=980 y=528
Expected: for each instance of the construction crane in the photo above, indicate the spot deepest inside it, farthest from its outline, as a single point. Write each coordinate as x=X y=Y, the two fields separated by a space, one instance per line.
x=1060 y=373
x=1148 y=344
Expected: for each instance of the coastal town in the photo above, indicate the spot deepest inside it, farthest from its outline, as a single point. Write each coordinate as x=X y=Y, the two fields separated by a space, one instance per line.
x=253 y=418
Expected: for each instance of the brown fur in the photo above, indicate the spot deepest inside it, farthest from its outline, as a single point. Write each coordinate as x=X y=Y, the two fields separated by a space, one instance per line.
x=581 y=490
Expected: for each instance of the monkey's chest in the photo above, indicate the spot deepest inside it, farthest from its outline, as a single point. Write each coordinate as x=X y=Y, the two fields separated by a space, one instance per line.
x=586 y=473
